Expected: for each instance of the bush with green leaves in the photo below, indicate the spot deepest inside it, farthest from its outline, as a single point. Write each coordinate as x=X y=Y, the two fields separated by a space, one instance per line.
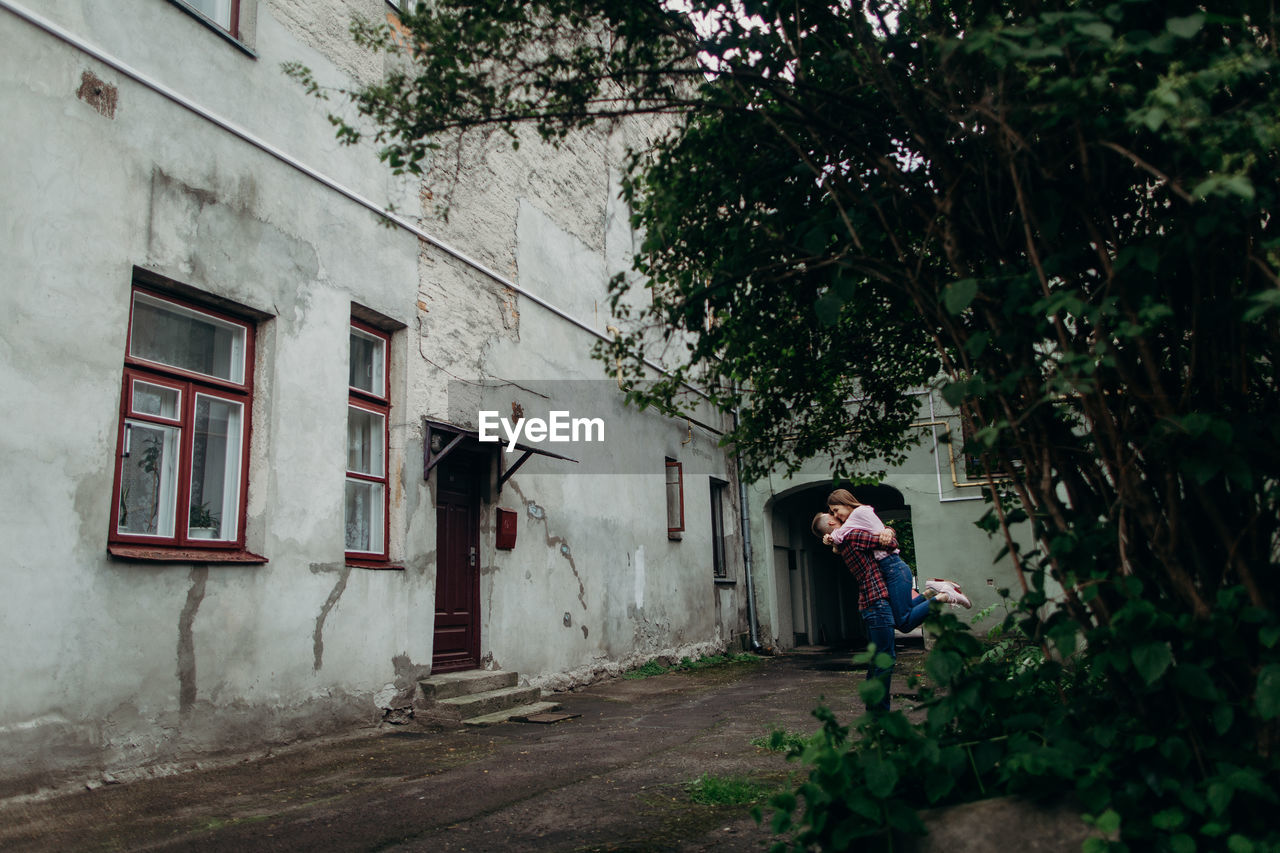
x=1169 y=766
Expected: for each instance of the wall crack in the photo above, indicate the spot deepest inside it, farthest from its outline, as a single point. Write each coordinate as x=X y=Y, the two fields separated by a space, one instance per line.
x=317 y=640
x=186 y=639
x=561 y=544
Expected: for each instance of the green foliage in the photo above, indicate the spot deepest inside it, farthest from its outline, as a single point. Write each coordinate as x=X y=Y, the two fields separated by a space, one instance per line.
x=202 y=516
x=711 y=790
x=781 y=740
x=686 y=664
x=1166 y=761
x=906 y=534
x=650 y=668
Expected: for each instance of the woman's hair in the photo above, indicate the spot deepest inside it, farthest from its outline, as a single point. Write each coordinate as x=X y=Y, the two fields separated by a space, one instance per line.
x=843 y=497
x=814 y=524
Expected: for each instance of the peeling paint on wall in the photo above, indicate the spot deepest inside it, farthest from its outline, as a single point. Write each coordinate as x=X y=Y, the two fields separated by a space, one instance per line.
x=424 y=564
x=404 y=688
x=317 y=641
x=186 y=639
x=537 y=513
x=98 y=94
x=564 y=551
x=510 y=311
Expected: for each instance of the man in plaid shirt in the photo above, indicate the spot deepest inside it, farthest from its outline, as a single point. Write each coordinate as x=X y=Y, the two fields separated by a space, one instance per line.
x=857 y=551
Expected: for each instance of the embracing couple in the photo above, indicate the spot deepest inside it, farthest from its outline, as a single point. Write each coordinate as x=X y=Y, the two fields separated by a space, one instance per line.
x=887 y=600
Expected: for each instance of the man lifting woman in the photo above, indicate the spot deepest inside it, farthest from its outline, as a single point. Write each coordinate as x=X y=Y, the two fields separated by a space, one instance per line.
x=887 y=599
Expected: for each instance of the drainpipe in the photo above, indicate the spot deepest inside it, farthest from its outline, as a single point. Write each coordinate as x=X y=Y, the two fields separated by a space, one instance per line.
x=746 y=555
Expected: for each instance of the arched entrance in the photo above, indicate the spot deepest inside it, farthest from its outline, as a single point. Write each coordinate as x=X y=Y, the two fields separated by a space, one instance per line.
x=817 y=597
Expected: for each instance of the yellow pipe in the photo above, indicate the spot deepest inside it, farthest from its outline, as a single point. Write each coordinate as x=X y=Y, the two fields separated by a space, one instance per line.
x=951 y=458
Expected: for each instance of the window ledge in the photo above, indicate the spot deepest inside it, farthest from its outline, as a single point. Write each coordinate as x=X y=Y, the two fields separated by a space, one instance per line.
x=216 y=27
x=376 y=565
x=151 y=554
x=726 y=581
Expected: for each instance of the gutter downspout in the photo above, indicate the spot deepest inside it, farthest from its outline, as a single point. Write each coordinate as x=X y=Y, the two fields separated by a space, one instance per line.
x=746 y=554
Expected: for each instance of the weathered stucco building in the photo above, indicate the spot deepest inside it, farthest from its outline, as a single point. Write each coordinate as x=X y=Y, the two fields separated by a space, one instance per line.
x=244 y=499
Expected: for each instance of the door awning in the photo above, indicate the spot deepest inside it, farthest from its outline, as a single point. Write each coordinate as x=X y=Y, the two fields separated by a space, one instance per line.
x=442 y=438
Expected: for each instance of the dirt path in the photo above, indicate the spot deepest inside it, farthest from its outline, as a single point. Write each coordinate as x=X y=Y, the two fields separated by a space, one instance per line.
x=616 y=778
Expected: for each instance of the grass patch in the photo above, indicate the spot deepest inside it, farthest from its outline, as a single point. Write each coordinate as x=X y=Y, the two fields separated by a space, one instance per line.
x=653 y=667
x=780 y=740
x=656 y=667
x=711 y=790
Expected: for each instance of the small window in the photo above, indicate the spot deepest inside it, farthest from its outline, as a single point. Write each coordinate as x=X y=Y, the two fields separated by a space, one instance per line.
x=368 y=362
x=719 y=560
x=675 y=499
x=224 y=13
x=973 y=467
x=181 y=477
x=368 y=413
x=167 y=333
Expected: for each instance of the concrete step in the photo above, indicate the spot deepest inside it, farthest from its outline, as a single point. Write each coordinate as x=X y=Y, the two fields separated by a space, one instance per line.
x=518 y=711
x=453 y=684
x=458 y=708
x=490 y=701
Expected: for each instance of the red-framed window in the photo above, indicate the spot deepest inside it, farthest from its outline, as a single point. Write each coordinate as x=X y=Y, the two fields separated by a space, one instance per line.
x=368 y=414
x=223 y=13
x=675 y=499
x=719 y=553
x=181 y=478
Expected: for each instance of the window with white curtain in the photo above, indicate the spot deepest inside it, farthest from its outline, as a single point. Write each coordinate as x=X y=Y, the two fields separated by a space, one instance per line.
x=180 y=478
x=368 y=410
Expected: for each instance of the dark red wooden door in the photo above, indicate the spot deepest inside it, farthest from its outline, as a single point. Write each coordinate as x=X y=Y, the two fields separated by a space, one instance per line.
x=457 y=628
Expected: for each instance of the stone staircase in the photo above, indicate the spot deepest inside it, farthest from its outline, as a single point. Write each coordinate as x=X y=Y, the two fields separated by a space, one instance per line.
x=477 y=697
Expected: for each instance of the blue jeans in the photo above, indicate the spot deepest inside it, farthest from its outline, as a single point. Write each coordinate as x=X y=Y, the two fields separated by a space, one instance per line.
x=909 y=609
x=878 y=620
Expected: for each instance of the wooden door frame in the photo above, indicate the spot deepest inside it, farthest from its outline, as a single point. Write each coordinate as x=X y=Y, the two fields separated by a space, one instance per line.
x=478 y=465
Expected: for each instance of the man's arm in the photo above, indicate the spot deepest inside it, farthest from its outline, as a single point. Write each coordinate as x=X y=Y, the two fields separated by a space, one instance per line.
x=863 y=540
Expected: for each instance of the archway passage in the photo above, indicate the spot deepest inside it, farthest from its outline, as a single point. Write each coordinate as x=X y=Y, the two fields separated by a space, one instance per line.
x=883 y=497
x=817 y=597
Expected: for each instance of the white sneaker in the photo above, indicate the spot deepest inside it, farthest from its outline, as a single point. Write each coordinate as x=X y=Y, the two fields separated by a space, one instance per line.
x=951 y=590
x=938 y=586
